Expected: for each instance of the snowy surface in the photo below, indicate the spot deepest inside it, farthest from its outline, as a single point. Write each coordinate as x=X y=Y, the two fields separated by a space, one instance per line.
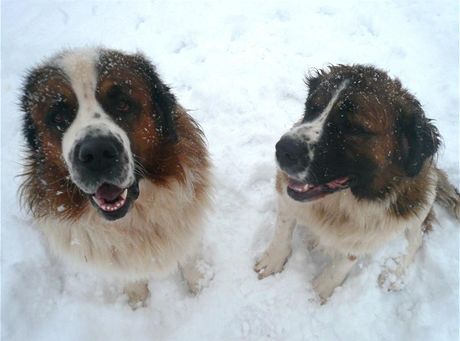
x=239 y=67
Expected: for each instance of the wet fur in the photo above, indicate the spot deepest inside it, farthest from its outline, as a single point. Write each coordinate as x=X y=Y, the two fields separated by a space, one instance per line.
x=163 y=228
x=392 y=163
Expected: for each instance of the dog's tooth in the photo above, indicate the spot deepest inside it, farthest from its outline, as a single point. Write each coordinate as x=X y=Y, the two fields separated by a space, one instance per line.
x=110 y=207
x=124 y=194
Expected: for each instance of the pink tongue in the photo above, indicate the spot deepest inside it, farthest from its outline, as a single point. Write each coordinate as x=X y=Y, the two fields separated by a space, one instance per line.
x=302 y=187
x=108 y=192
x=337 y=183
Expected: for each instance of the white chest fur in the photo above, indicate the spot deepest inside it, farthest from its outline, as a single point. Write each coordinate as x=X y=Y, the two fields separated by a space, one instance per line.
x=343 y=223
x=161 y=229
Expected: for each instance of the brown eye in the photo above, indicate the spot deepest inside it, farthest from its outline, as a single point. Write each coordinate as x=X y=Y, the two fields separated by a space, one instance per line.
x=359 y=132
x=60 y=115
x=58 y=118
x=119 y=103
x=123 y=105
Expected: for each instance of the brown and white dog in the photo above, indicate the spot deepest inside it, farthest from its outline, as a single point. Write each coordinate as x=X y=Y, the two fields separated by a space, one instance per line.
x=117 y=173
x=357 y=170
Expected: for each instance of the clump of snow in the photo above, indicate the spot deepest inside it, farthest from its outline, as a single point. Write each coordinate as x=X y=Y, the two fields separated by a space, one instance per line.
x=238 y=66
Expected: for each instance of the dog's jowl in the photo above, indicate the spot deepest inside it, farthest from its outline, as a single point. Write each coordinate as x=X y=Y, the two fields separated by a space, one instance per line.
x=357 y=170
x=116 y=172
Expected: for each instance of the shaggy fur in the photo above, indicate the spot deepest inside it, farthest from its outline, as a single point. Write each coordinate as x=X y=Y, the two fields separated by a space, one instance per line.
x=357 y=171
x=77 y=93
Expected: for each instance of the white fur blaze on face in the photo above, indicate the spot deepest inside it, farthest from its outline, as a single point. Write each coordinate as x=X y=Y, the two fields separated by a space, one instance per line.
x=310 y=132
x=80 y=67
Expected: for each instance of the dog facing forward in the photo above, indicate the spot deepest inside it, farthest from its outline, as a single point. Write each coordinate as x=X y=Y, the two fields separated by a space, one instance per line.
x=117 y=173
x=357 y=171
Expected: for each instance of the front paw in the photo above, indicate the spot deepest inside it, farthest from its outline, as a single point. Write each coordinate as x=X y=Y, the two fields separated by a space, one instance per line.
x=272 y=261
x=392 y=276
x=324 y=285
x=198 y=276
x=138 y=293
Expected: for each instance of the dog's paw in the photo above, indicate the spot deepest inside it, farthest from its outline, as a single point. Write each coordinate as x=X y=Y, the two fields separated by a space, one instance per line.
x=137 y=293
x=392 y=276
x=324 y=286
x=272 y=261
x=198 y=276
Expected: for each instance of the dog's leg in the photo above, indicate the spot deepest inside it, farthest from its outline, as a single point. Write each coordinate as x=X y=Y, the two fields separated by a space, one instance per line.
x=392 y=277
x=279 y=250
x=196 y=272
x=333 y=275
x=137 y=293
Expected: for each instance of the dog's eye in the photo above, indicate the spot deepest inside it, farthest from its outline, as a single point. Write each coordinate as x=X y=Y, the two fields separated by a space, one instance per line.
x=58 y=118
x=360 y=131
x=123 y=105
x=120 y=103
x=60 y=115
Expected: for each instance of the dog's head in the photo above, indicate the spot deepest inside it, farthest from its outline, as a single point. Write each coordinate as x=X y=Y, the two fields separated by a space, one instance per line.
x=361 y=130
x=96 y=121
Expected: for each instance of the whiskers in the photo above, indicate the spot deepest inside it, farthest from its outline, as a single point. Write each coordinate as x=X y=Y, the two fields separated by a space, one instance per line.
x=139 y=168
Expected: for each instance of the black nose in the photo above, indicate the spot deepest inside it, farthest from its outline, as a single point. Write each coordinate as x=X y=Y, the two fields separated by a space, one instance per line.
x=98 y=153
x=292 y=154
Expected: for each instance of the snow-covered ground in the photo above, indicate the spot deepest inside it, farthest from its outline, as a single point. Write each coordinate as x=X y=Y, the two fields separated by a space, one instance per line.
x=238 y=66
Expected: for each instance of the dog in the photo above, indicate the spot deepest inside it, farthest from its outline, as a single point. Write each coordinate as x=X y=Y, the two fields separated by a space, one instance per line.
x=358 y=170
x=117 y=174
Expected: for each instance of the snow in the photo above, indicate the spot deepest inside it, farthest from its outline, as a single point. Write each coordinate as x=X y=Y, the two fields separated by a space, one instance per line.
x=238 y=66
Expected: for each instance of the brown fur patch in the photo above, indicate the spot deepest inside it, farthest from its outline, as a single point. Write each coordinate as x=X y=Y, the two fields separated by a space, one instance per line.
x=411 y=194
x=47 y=189
x=376 y=124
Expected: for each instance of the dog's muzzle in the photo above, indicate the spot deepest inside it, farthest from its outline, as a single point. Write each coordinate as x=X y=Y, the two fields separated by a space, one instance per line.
x=101 y=168
x=292 y=155
x=294 y=159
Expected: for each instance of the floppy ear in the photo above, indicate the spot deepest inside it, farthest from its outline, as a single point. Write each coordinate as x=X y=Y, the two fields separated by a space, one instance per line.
x=420 y=139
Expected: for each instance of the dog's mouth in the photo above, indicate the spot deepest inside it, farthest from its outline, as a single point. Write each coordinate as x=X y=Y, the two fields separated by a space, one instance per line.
x=110 y=198
x=113 y=202
x=301 y=191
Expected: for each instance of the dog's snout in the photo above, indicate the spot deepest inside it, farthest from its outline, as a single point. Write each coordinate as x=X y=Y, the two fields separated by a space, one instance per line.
x=292 y=154
x=98 y=153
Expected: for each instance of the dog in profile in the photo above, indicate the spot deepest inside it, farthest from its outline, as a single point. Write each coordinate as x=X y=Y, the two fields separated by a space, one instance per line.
x=357 y=170
x=117 y=174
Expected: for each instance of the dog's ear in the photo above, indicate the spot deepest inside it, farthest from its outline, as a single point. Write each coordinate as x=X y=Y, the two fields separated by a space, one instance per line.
x=312 y=82
x=162 y=96
x=313 y=79
x=420 y=138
